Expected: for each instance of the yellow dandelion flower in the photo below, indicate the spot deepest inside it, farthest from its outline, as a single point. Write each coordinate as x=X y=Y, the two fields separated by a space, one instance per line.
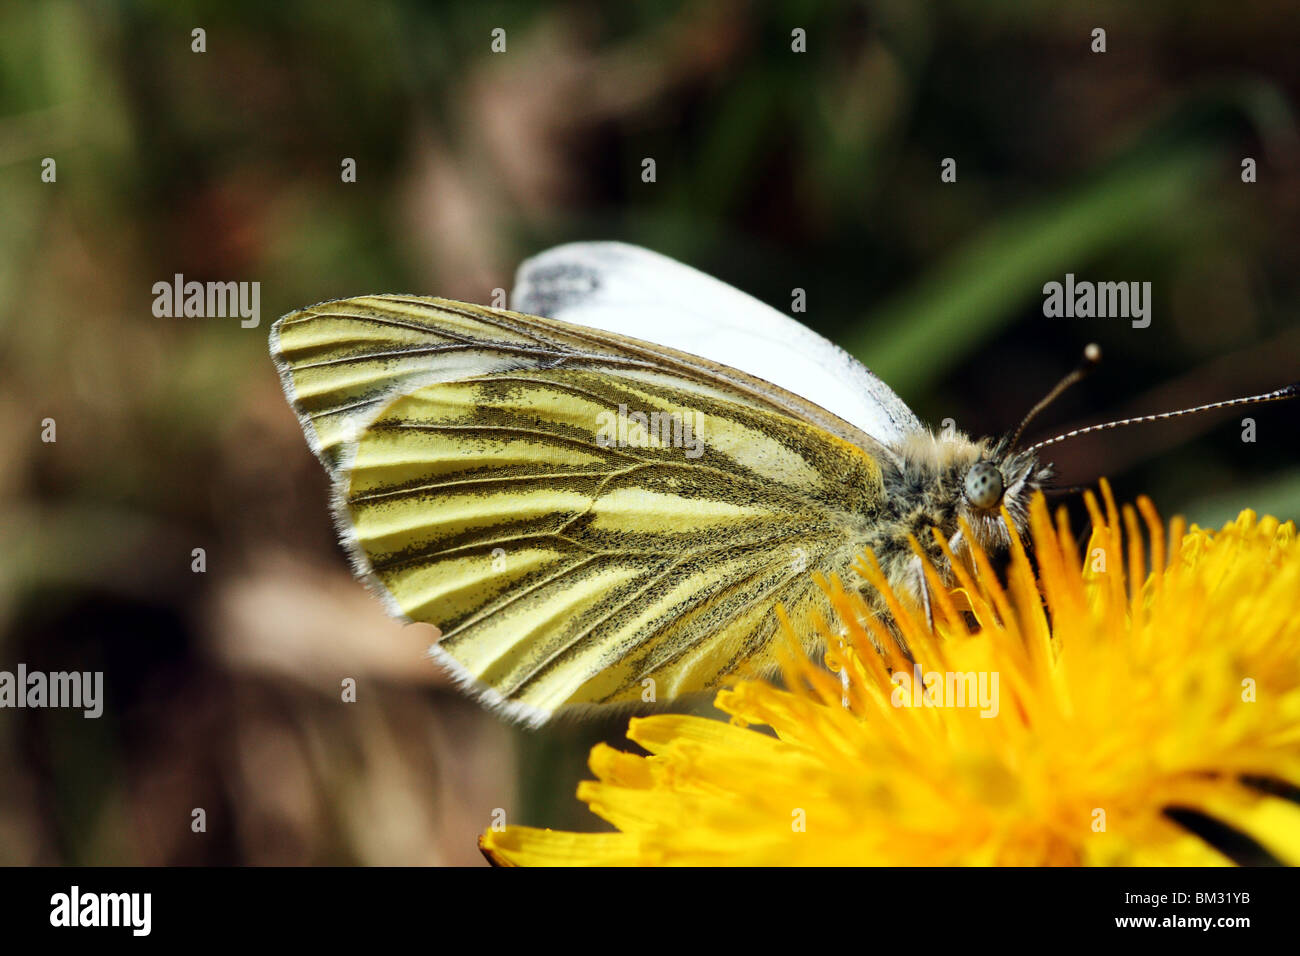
x=1069 y=717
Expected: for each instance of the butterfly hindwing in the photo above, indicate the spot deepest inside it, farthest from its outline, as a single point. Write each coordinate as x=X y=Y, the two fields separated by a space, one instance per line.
x=569 y=558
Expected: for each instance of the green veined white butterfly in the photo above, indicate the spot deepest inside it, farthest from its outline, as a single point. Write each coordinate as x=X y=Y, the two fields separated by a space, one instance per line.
x=477 y=484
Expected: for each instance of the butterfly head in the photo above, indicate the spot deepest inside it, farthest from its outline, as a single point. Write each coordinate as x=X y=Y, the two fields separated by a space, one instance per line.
x=984 y=485
x=1007 y=476
x=1002 y=474
x=1000 y=479
x=948 y=479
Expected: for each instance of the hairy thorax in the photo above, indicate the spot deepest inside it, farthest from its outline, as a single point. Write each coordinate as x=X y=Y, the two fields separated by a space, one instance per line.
x=924 y=491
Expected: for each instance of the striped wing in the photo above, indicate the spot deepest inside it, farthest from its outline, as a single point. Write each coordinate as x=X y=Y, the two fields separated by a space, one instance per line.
x=623 y=288
x=580 y=513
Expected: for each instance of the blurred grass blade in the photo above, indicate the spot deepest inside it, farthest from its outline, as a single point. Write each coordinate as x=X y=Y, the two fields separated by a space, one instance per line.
x=916 y=337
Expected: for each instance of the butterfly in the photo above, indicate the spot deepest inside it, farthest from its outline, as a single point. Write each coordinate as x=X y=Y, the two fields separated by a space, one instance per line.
x=593 y=512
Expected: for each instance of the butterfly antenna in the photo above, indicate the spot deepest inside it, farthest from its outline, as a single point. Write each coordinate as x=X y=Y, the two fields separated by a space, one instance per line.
x=1091 y=359
x=1277 y=395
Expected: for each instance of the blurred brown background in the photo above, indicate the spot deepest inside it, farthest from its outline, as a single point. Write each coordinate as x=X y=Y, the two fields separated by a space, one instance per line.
x=775 y=170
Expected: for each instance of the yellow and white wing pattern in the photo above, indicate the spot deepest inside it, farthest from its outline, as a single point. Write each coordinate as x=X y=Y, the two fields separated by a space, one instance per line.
x=588 y=518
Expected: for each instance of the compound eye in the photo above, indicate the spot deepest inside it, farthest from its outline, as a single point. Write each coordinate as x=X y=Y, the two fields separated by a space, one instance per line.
x=984 y=485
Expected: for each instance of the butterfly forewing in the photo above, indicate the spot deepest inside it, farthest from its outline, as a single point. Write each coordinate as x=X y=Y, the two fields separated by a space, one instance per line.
x=627 y=289
x=485 y=485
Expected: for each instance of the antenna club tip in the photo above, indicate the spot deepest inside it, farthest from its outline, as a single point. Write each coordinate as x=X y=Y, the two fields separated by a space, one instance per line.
x=1092 y=353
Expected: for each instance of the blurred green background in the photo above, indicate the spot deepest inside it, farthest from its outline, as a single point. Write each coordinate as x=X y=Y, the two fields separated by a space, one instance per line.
x=775 y=170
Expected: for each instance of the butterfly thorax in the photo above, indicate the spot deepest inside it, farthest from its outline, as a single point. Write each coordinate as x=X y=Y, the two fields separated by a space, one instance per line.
x=926 y=488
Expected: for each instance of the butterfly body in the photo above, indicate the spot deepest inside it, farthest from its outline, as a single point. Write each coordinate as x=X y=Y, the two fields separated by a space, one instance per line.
x=593 y=518
x=925 y=490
